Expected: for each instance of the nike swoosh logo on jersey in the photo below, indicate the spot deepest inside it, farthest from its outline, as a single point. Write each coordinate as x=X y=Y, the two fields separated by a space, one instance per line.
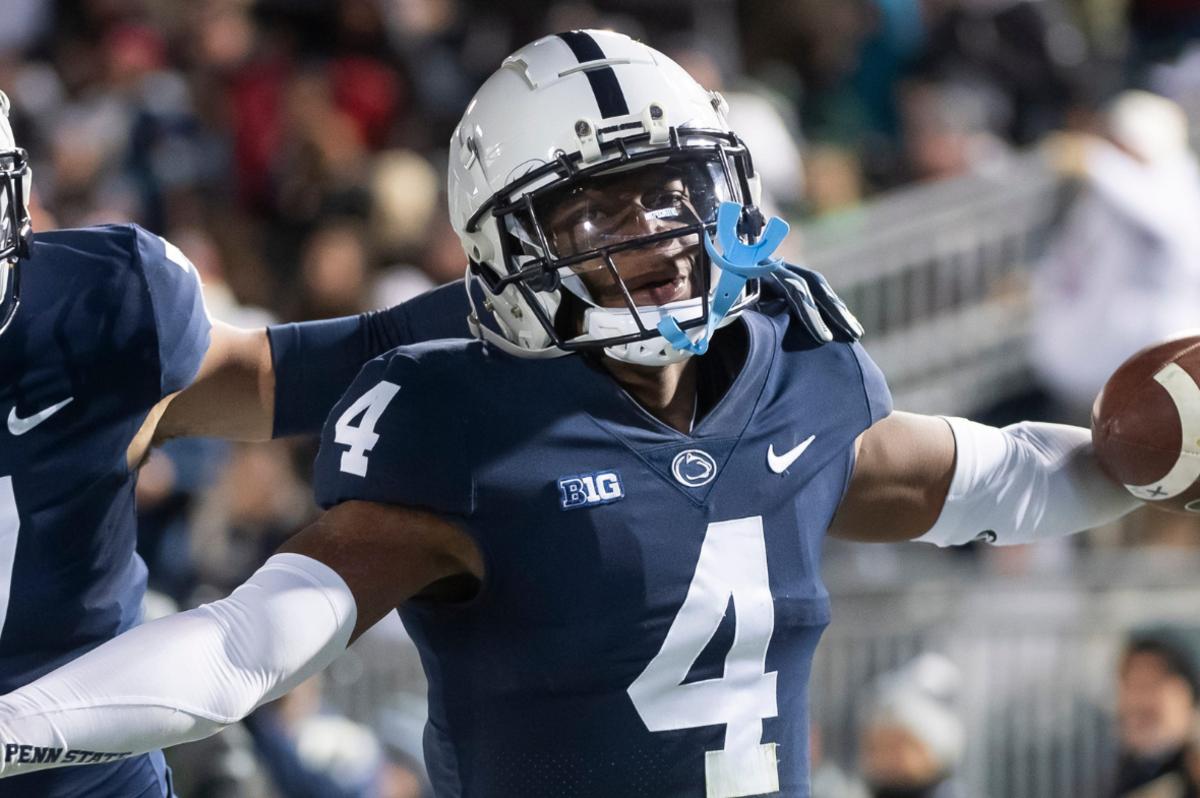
x=780 y=462
x=19 y=426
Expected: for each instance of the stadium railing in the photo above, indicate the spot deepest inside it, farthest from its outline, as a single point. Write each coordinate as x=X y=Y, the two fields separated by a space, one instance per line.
x=937 y=274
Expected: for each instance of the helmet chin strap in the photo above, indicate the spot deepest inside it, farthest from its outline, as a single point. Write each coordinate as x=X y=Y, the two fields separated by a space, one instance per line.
x=739 y=263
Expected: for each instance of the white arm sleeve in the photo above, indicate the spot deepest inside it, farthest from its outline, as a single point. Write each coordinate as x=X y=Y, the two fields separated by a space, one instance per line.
x=1024 y=483
x=183 y=677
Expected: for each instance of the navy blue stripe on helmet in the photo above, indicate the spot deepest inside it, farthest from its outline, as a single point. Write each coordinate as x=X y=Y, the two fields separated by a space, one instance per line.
x=605 y=86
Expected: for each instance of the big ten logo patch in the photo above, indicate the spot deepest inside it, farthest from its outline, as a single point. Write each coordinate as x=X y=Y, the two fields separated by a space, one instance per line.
x=589 y=490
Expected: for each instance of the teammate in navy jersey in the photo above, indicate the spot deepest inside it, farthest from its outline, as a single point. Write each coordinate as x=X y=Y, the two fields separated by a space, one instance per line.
x=602 y=521
x=111 y=328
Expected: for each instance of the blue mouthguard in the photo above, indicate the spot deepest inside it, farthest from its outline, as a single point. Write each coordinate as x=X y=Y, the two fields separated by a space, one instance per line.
x=739 y=263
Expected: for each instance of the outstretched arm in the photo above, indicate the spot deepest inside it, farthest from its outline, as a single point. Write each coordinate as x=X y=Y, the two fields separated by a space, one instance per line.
x=187 y=676
x=902 y=471
x=233 y=395
x=260 y=383
x=951 y=481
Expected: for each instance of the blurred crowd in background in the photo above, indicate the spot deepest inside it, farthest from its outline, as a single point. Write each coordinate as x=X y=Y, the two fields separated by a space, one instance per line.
x=294 y=150
x=913 y=738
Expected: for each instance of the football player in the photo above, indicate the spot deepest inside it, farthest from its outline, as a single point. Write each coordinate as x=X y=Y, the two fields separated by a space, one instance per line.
x=106 y=349
x=602 y=522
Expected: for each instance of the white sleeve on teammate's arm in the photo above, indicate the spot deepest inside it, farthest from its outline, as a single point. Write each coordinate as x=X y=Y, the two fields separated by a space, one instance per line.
x=1027 y=482
x=184 y=677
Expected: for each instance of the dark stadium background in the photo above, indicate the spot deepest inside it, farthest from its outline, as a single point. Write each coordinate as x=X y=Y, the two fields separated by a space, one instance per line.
x=929 y=150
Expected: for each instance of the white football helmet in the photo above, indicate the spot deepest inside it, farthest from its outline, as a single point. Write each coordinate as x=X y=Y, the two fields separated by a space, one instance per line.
x=582 y=150
x=16 y=231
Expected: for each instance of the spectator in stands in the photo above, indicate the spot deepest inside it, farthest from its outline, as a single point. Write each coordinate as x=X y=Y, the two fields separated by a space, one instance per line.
x=439 y=259
x=401 y=728
x=912 y=741
x=1191 y=760
x=1157 y=690
x=947 y=131
x=224 y=766
x=402 y=777
x=1179 y=80
x=1159 y=31
x=406 y=203
x=171 y=480
x=1128 y=252
x=24 y=23
x=335 y=272
x=241 y=521
x=763 y=120
x=833 y=182
x=1019 y=59
x=827 y=780
x=312 y=753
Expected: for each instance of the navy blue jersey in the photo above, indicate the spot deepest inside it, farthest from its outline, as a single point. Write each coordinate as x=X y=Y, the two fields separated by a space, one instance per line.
x=652 y=600
x=111 y=321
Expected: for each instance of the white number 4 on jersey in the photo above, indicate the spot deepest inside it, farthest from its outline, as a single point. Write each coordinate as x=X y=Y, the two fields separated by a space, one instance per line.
x=362 y=438
x=732 y=564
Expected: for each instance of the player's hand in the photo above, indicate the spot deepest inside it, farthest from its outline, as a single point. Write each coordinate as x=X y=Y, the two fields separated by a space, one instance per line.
x=815 y=304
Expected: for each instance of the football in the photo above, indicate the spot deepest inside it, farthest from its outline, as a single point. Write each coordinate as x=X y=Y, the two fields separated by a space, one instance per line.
x=1146 y=425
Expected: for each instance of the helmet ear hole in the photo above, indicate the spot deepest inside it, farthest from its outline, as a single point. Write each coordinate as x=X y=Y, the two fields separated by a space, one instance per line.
x=480 y=247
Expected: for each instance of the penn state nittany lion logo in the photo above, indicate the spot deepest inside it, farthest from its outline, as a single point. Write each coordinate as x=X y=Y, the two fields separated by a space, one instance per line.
x=694 y=468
